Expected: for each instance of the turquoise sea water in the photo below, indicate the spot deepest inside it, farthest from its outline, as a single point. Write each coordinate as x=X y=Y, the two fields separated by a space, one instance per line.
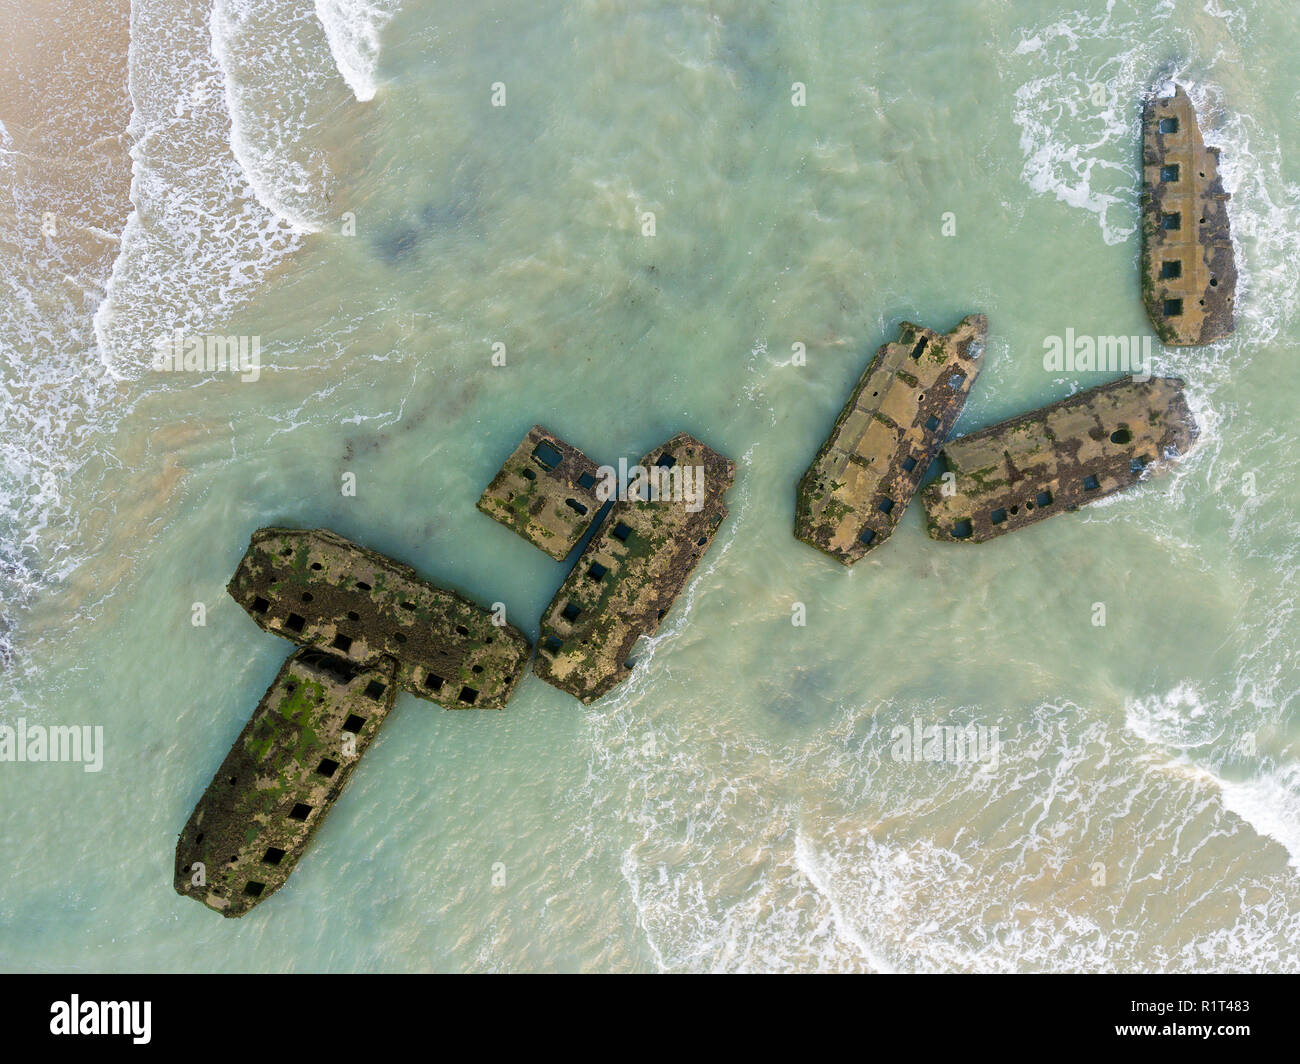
x=735 y=806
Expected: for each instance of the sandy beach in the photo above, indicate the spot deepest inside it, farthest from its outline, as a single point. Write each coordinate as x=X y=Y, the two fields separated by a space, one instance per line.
x=65 y=106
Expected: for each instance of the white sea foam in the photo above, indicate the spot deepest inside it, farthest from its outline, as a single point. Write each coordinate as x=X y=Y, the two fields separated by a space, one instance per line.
x=354 y=28
x=1075 y=148
x=275 y=69
x=198 y=241
x=1269 y=803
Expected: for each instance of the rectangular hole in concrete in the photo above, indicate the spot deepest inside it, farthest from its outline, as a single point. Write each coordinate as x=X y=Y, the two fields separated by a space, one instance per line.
x=547 y=456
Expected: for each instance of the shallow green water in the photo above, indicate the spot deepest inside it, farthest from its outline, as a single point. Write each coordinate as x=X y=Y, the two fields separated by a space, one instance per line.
x=735 y=805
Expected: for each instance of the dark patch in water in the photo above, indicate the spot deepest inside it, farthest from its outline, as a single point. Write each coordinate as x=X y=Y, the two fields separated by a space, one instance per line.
x=396 y=244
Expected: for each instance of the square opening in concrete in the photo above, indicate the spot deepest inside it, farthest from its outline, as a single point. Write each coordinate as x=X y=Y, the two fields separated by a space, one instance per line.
x=867 y=537
x=1171 y=220
x=301 y=811
x=1169 y=173
x=254 y=890
x=885 y=505
x=621 y=532
x=547 y=456
x=1171 y=269
x=375 y=690
x=597 y=572
x=1168 y=125
x=553 y=644
x=909 y=463
x=1091 y=483
x=468 y=695
x=1173 y=308
x=962 y=529
x=570 y=613
x=587 y=480
x=273 y=856
x=433 y=682
x=354 y=724
x=295 y=623
x=327 y=767
x=999 y=515
x=260 y=605
x=931 y=423
x=342 y=642
x=1043 y=498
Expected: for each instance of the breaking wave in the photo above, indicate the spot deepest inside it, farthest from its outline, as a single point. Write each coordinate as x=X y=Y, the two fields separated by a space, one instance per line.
x=353 y=28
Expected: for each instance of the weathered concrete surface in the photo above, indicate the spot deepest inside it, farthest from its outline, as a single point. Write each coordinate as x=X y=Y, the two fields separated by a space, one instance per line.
x=631 y=572
x=545 y=492
x=1056 y=459
x=321 y=590
x=852 y=496
x=280 y=779
x=1189 y=272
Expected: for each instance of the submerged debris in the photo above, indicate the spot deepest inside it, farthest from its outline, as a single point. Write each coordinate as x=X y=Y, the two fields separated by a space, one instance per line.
x=1189 y=272
x=280 y=779
x=632 y=570
x=546 y=492
x=1056 y=459
x=886 y=437
x=321 y=590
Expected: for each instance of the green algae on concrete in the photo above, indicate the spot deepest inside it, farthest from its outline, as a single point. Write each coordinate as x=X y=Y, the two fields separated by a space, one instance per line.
x=1056 y=459
x=903 y=407
x=545 y=492
x=321 y=590
x=281 y=777
x=632 y=571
